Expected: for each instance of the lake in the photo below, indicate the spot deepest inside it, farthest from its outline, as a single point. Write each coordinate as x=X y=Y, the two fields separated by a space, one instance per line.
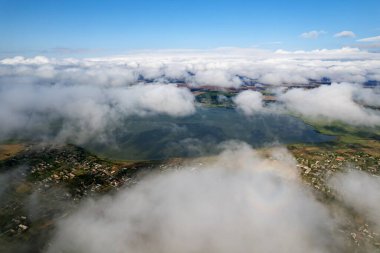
x=162 y=137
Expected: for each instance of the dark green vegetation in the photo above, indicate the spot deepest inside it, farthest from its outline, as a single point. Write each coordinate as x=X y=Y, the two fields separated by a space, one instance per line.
x=347 y=133
x=221 y=99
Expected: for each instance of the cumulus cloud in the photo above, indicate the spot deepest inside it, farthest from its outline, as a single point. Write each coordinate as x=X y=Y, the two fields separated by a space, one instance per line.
x=241 y=202
x=312 y=34
x=334 y=102
x=361 y=192
x=345 y=34
x=346 y=102
x=220 y=77
x=81 y=112
x=249 y=102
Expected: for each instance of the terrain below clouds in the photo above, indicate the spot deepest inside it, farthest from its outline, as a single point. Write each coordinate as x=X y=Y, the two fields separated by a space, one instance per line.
x=231 y=204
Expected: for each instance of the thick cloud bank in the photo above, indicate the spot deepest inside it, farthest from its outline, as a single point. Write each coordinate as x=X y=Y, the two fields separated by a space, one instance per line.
x=343 y=102
x=82 y=111
x=242 y=202
x=225 y=67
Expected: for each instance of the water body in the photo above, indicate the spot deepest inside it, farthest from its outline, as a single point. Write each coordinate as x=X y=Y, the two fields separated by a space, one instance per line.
x=161 y=137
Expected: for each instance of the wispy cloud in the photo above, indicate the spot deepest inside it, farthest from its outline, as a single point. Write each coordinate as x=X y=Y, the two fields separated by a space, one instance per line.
x=370 y=39
x=312 y=34
x=368 y=45
x=345 y=34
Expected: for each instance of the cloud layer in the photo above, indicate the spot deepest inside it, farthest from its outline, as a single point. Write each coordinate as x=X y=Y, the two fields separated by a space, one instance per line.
x=223 y=67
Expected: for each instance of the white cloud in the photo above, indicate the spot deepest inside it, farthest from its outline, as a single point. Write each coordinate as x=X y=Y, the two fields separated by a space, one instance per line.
x=219 y=67
x=335 y=102
x=249 y=102
x=345 y=34
x=369 y=45
x=86 y=111
x=370 y=39
x=368 y=97
x=312 y=34
x=219 y=77
x=361 y=192
x=242 y=202
x=32 y=89
x=22 y=60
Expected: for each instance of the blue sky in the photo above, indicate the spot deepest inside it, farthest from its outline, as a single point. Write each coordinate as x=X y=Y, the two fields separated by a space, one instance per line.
x=108 y=27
